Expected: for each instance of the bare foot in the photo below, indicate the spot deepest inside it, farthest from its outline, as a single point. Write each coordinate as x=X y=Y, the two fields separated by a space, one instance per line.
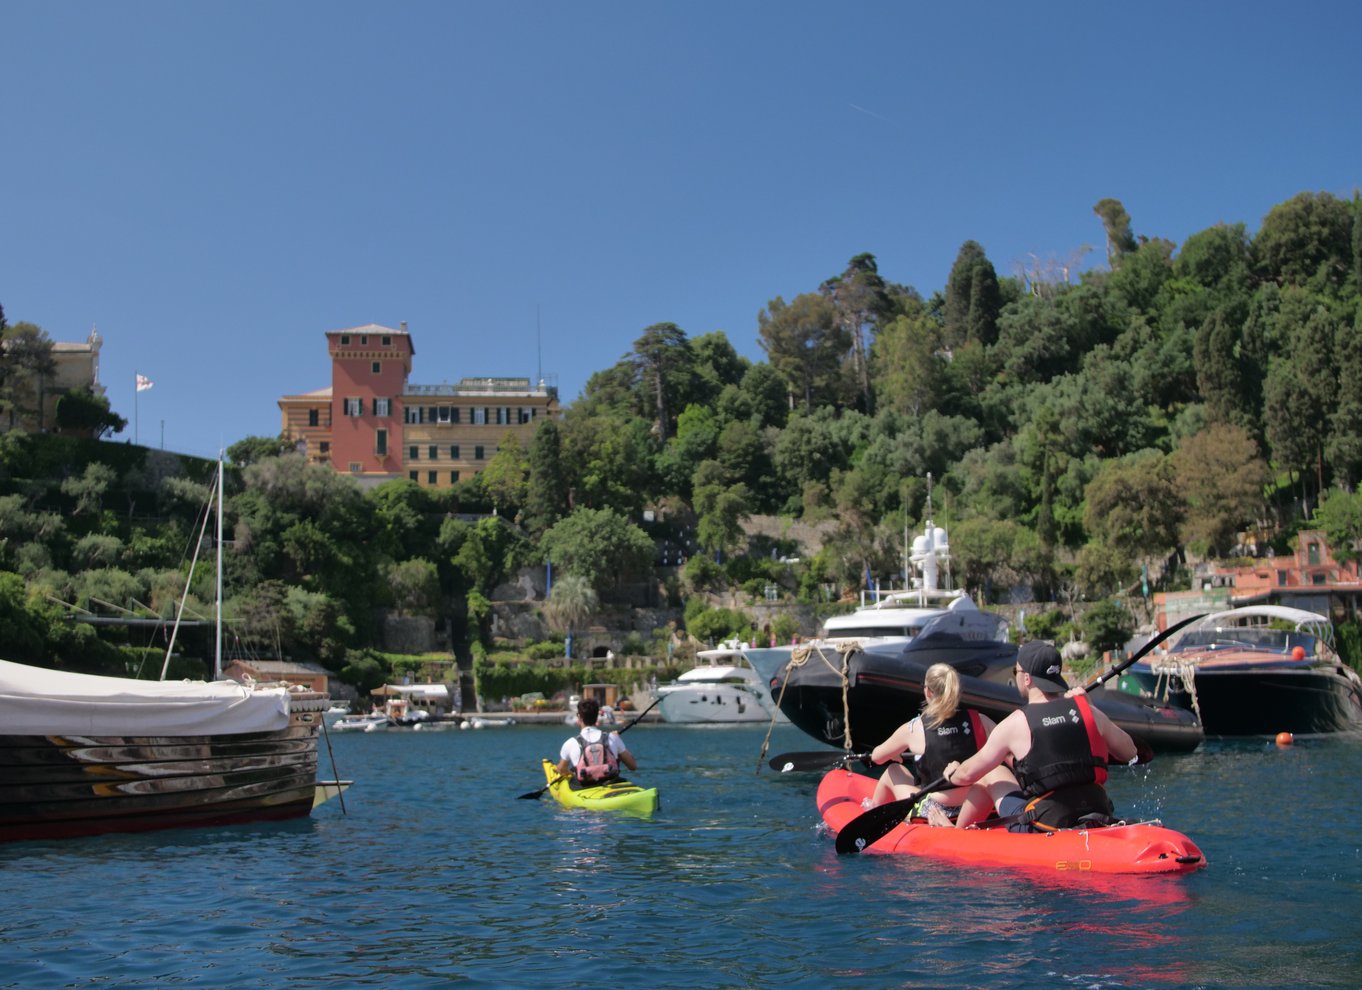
x=938 y=817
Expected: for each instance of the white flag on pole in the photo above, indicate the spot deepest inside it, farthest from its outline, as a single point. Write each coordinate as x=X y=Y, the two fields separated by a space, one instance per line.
x=143 y=383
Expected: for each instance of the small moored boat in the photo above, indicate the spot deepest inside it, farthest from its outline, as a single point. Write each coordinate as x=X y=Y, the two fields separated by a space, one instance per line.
x=373 y=722
x=1144 y=847
x=618 y=795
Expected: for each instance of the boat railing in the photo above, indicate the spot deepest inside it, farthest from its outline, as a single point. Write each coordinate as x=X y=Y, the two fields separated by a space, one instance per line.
x=883 y=598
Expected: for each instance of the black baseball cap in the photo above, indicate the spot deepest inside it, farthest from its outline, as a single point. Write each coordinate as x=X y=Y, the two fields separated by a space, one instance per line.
x=1041 y=660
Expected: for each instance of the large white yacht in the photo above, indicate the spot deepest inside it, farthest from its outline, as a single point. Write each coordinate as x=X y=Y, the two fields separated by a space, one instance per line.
x=721 y=688
x=935 y=624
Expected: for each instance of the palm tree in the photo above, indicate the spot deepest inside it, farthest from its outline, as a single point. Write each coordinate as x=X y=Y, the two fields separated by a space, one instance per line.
x=571 y=602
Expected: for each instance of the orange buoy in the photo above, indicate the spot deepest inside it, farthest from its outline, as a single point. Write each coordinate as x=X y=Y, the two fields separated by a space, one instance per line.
x=1285 y=739
x=1298 y=653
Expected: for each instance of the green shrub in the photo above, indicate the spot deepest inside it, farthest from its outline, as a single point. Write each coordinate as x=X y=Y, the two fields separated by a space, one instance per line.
x=717 y=624
x=1046 y=625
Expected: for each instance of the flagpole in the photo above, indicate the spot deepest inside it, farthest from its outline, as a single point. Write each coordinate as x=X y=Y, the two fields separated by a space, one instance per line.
x=136 y=419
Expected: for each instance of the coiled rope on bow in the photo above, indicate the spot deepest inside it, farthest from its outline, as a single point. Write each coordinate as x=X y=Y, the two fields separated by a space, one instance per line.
x=799 y=657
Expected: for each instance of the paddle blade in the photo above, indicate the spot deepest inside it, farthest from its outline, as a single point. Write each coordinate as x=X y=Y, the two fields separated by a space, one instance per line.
x=821 y=761
x=531 y=795
x=868 y=828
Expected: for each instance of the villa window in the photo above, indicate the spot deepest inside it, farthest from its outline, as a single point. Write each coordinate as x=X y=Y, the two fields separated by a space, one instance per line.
x=354 y=407
x=381 y=443
x=413 y=414
x=454 y=452
x=431 y=478
x=479 y=415
x=376 y=367
x=387 y=341
x=345 y=340
x=313 y=417
x=434 y=452
x=477 y=453
x=383 y=407
x=414 y=453
x=414 y=476
x=453 y=477
x=444 y=414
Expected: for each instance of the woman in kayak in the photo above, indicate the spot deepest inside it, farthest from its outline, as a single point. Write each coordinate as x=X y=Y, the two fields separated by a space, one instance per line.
x=944 y=733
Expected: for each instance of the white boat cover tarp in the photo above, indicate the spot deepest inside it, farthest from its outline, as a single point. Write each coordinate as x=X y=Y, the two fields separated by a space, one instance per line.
x=41 y=702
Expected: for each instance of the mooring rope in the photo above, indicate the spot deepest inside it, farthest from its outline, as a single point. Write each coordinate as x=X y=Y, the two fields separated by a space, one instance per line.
x=1185 y=671
x=800 y=656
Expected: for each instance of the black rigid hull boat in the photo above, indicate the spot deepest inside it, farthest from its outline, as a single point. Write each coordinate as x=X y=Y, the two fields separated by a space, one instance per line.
x=883 y=689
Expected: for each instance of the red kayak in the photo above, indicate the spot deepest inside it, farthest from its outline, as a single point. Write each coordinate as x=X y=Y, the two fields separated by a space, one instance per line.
x=1139 y=848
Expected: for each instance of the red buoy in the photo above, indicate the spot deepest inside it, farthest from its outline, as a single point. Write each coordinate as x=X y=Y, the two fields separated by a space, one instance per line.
x=1285 y=739
x=1298 y=653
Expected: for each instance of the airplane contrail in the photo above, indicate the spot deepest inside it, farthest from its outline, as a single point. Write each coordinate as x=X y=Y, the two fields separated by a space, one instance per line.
x=870 y=113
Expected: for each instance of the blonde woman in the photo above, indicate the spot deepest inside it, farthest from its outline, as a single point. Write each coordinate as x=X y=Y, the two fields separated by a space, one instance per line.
x=944 y=733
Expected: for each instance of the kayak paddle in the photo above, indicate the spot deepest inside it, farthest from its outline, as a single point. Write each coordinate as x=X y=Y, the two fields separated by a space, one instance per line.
x=821 y=760
x=1143 y=752
x=870 y=826
x=536 y=795
x=1140 y=653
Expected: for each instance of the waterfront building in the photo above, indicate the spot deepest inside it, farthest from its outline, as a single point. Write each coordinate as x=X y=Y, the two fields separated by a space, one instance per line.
x=1310 y=578
x=373 y=423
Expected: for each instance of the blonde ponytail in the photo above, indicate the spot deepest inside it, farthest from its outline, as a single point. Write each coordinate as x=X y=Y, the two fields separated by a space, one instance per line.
x=944 y=684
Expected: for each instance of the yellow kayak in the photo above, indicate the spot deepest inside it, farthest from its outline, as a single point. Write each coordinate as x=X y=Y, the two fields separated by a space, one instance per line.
x=618 y=795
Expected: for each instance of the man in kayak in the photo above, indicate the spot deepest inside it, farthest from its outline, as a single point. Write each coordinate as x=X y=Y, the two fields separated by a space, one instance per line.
x=604 y=753
x=943 y=733
x=1058 y=746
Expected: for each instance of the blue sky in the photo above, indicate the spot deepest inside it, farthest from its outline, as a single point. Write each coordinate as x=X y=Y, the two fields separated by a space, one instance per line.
x=529 y=185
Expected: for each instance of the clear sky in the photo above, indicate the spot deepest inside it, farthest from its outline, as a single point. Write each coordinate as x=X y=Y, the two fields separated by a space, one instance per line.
x=214 y=185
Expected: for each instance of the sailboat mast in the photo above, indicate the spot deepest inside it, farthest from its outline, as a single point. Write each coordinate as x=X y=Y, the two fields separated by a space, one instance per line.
x=217 y=649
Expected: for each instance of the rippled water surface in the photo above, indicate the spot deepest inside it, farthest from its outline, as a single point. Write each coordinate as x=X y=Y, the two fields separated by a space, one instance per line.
x=438 y=876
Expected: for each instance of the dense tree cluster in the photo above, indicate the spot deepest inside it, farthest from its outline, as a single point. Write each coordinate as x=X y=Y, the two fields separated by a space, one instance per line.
x=1074 y=428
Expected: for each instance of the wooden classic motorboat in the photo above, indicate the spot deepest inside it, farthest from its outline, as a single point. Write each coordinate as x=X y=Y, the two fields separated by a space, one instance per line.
x=1256 y=670
x=83 y=755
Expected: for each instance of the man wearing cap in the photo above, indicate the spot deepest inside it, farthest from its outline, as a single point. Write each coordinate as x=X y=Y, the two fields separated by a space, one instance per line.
x=1058 y=745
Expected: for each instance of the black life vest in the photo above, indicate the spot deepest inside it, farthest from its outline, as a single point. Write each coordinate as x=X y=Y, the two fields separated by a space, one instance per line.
x=956 y=739
x=1067 y=748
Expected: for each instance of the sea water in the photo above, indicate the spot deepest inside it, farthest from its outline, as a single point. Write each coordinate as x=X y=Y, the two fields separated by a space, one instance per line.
x=434 y=874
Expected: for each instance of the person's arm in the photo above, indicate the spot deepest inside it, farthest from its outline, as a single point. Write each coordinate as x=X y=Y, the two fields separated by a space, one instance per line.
x=1119 y=744
x=566 y=759
x=896 y=745
x=623 y=754
x=1001 y=744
